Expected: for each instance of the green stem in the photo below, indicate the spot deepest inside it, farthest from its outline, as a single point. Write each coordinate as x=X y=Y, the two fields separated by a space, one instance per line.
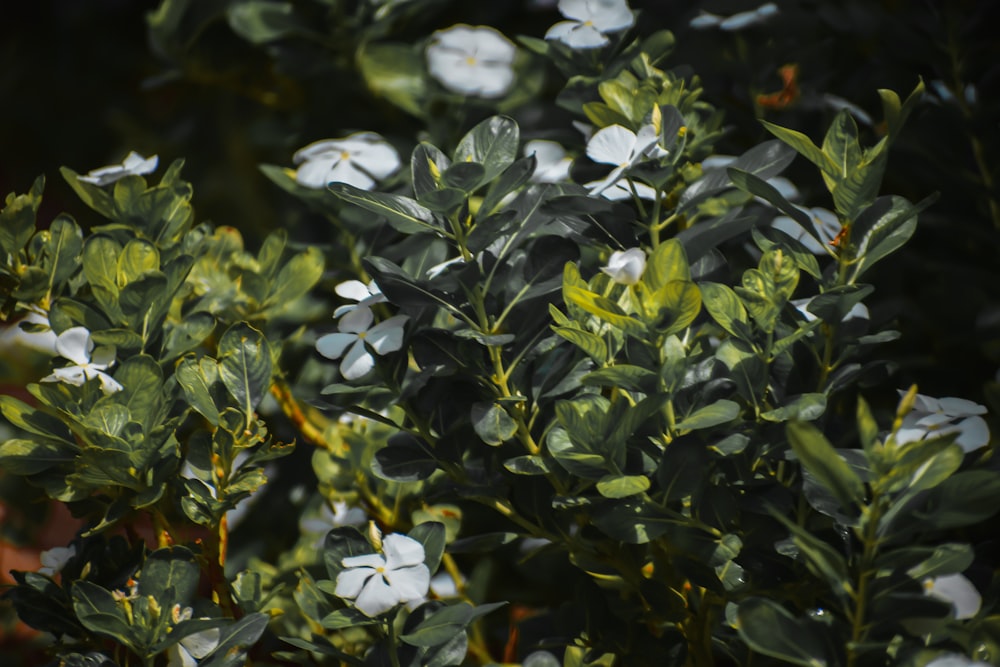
x=859 y=628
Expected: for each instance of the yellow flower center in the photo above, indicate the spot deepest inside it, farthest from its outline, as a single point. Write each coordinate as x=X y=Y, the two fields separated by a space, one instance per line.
x=470 y=60
x=344 y=155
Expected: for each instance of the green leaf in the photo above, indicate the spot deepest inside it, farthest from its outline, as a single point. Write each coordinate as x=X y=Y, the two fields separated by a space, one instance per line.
x=492 y=423
x=883 y=228
x=622 y=486
x=805 y=147
x=768 y=628
x=427 y=163
x=819 y=457
x=235 y=640
x=604 y=308
x=402 y=213
x=431 y=534
x=717 y=413
x=29 y=457
x=806 y=407
x=261 y=21
x=137 y=258
x=666 y=264
x=17 y=218
x=441 y=626
x=245 y=365
x=464 y=176
x=398 y=463
x=170 y=575
x=896 y=114
x=592 y=344
x=100 y=262
x=484 y=543
x=833 y=305
x=492 y=143
x=295 y=279
x=99 y=612
x=674 y=306
x=726 y=308
x=516 y=175
x=683 y=468
x=195 y=376
x=622 y=376
x=758 y=187
x=61 y=251
x=528 y=465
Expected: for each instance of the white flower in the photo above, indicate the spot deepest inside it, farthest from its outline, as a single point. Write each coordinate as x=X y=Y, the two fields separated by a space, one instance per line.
x=355 y=331
x=939 y=416
x=552 y=163
x=132 y=164
x=378 y=583
x=590 y=21
x=957 y=590
x=191 y=648
x=626 y=266
x=472 y=61
x=955 y=660
x=825 y=224
x=55 y=559
x=624 y=149
x=736 y=21
x=75 y=344
x=355 y=290
x=14 y=336
x=360 y=160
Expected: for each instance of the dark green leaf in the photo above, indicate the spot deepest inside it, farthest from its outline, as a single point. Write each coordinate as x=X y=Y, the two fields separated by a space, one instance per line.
x=492 y=423
x=245 y=365
x=769 y=629
x=819 y=457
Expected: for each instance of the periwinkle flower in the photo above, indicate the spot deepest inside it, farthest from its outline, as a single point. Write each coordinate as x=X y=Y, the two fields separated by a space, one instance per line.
x=133 y=164
x=589 y=22
x=623 y=148
x=378 y=582
x=940 y=416
x=472 y=60
x=958 y=590
x=55 y=559
x=626 y=266
x=355 y=335
x=355 y=290
x=360 y=159
x=551 y=162
x=76 y=345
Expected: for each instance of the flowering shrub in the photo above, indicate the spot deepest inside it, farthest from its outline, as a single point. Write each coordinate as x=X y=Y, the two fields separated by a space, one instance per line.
x=596 y=394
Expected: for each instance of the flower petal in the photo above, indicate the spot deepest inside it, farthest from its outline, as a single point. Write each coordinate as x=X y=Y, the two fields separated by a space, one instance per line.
x=357 y=321
x=345 y=171
x=611 y=145
x=957 y=590
x=402 y=551
x=316 y=172
x=352 y=289
x=376 y=598
x=75 y=344
x=108 y=384
x=357 y=363
x=410 y=583
x=960 y=407
x=70 y=375
x=974 y=433
x=387 y=336
x=373 y=561
x=332 y=345
x=200 y=644
x=352 y=580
